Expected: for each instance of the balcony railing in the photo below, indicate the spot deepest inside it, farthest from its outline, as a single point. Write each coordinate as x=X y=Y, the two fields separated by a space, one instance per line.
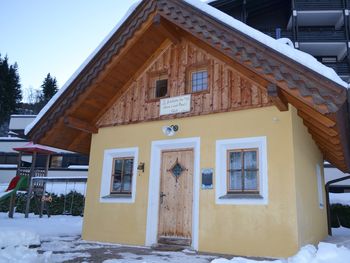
x=321 y=35
x=319 y=4
x=342 y=68
x=277 y=32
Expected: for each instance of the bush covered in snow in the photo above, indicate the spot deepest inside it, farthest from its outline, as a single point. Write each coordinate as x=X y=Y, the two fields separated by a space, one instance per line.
x=71 y=203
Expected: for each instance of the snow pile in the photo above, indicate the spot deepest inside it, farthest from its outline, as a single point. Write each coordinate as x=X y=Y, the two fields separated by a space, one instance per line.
x=15 y=243
x=11 y=237
x=19 y=233
x=343 y=198
x=326 y=253
x=23 y=254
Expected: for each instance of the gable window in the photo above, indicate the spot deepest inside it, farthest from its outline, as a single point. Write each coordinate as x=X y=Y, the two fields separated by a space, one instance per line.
x=241 y=171
x=199 y=80
x=118 y=180
x=157 y=85
x=122 y=174
x=161 y=88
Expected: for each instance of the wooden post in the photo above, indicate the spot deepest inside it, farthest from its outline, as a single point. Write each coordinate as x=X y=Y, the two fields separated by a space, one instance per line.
x=12 y=205
x=19 y=162
x=30 y=187
x=44 y=187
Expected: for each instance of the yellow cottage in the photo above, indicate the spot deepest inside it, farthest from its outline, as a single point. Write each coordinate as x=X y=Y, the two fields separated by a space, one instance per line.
x=201 y=132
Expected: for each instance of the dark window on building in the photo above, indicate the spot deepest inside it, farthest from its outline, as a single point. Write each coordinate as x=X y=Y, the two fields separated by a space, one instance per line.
x=161 y=88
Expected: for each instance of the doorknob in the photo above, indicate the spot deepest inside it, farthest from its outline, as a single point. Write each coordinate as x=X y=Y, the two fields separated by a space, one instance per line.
x=161 y=197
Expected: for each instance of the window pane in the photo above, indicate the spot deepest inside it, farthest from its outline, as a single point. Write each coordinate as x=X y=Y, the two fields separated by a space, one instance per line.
x=235 y=160
x=117 y=184
x=128 y=163
x=250 y=160
x=118 y=166
x=127 y=183
x=235 y=181
x=251 y=180
x=199 y=81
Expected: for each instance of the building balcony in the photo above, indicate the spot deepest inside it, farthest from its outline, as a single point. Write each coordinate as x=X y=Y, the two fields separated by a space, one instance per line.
x=321 y=35
x=342 y=68
x=319 y=4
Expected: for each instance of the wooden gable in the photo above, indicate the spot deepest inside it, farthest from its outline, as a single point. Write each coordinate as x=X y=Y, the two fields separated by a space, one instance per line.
x=242 y=71
x=228 y=89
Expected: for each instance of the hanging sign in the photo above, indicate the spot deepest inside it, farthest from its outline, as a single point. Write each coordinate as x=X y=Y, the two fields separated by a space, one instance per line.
x=175 y=105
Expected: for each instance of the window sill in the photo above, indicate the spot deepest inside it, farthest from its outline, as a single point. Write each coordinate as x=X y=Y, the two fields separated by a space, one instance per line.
x=117 y=196
x=241 y=196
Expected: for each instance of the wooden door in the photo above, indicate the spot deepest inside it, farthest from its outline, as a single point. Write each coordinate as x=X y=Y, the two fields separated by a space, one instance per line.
x=176 y=196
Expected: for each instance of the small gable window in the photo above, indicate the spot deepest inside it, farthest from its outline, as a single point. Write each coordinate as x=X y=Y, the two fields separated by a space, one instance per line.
x=161 y=88
x=157 y=85
x=199 y=80
x=122 y=173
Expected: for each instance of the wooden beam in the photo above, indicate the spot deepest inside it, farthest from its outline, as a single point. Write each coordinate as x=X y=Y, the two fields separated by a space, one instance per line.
x=80 y=125
x=326 y=120
x=311 y=122
x=166 y=29
x=277 y=97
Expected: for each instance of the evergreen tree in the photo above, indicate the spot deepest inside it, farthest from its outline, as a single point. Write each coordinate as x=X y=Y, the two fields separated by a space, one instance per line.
x=10 y=89
x=49 y=88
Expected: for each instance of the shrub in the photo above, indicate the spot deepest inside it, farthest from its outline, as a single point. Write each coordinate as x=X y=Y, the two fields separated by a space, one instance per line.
x=69 y=204
x=340 y=215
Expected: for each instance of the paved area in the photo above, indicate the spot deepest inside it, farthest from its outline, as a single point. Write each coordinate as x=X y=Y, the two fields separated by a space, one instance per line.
x=75 y=250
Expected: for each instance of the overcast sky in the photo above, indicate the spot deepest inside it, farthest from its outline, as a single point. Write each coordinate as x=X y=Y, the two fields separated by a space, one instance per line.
x=54 y=36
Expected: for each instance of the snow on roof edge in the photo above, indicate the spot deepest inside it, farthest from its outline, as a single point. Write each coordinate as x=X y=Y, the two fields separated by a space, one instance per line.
x=30 y=126
x=294 y=54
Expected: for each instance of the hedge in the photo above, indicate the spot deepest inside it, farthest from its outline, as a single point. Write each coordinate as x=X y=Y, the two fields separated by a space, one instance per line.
x=60 y=205
x=340 y=215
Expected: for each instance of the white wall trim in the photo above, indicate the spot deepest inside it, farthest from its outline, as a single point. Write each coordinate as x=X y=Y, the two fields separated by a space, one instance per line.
x=107 y=173
x=154 y=185
x=221 y=170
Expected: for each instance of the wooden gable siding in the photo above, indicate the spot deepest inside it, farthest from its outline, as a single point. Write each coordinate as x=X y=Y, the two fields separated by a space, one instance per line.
x=228 y=90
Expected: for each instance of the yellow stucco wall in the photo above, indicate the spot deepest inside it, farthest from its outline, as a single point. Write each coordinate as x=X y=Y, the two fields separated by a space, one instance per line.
x=312 y=220
x=253 y=230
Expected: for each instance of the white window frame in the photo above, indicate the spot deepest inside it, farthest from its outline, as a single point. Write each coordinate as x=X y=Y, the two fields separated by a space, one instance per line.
x=320 y=184
x=105 y=192
x=222 y=146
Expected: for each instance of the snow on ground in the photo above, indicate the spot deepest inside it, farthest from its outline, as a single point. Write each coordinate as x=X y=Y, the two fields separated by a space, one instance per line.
x=48 y=227
x=60 y=241
x=326 y=253
x=19 y=233
x=342 y=198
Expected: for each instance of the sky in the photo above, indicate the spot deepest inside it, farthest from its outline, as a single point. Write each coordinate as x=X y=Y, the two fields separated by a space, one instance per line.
x=54 y=36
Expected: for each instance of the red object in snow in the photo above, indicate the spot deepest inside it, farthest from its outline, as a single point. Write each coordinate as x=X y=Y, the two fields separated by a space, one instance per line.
x=13 y=183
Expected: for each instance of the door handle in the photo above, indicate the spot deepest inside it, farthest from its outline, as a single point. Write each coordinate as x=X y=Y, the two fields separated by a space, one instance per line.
x=161 y=197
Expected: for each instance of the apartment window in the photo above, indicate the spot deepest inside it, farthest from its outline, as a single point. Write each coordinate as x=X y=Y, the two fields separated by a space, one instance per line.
x=199 y=80
x=122 y=174
x=118 y=180
x=243 y=171
x=56 y=161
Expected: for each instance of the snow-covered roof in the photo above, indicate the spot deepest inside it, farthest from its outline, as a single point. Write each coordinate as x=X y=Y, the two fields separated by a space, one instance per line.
x=279 y=46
